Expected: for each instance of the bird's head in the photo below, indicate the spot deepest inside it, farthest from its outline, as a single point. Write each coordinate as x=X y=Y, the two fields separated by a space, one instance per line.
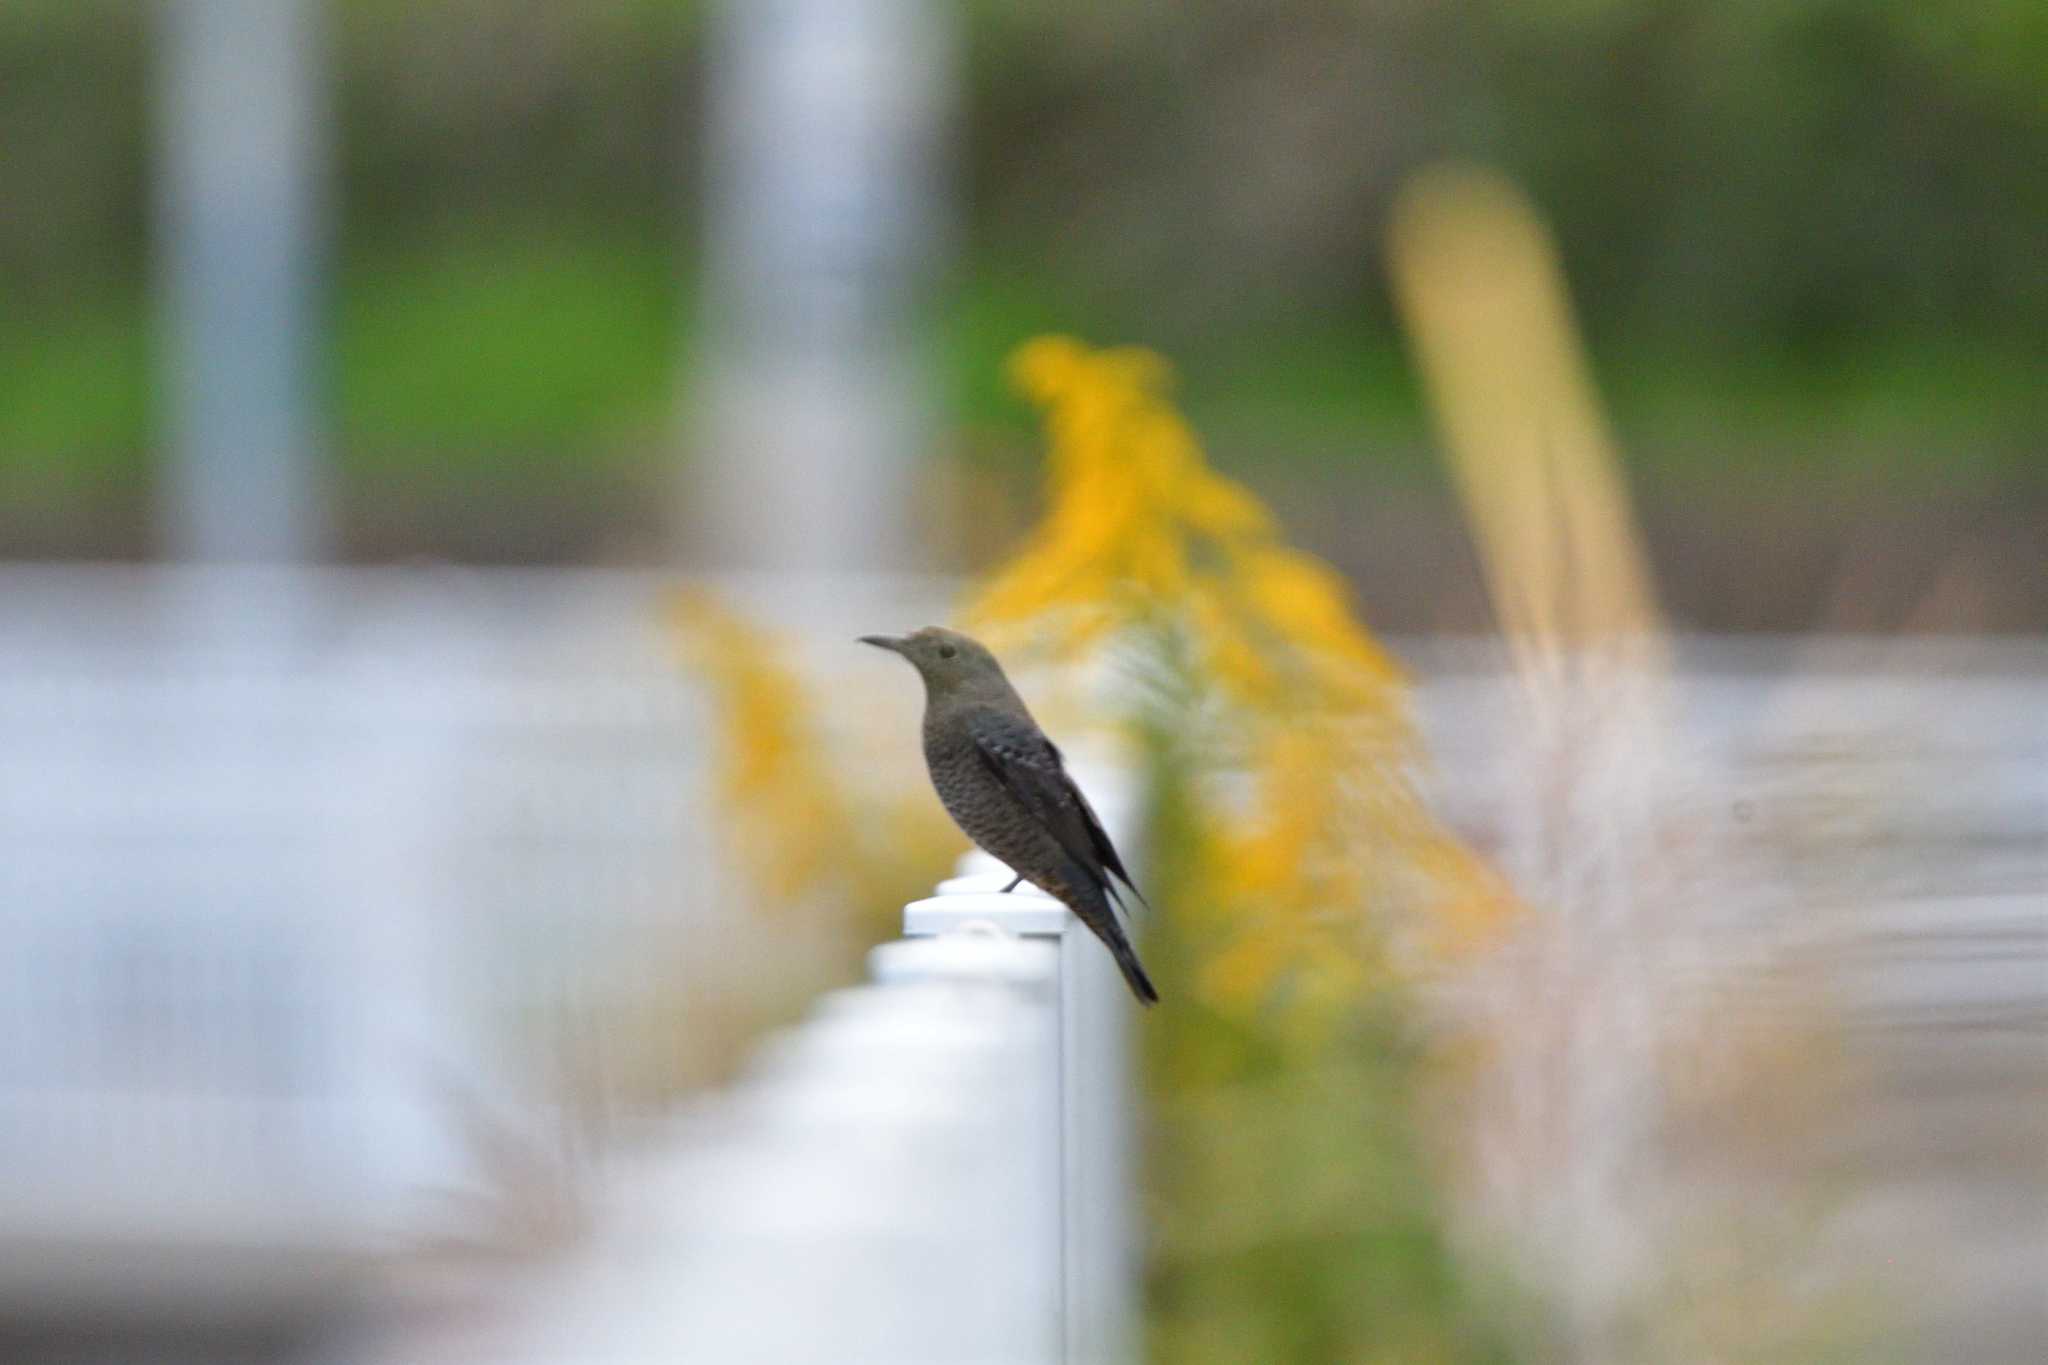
x=949 y=662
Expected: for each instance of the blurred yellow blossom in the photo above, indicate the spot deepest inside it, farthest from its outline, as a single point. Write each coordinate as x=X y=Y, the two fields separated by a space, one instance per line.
x=786 y=816
x=788 y=812
x=1311 y=844
x=1308 y=850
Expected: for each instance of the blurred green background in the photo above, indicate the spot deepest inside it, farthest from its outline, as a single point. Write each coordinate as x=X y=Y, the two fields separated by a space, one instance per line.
x=1809 y=242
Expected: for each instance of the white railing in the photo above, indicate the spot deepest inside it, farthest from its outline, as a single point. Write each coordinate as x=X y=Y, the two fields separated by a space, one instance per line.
x=297 y=870
x=934 y=1167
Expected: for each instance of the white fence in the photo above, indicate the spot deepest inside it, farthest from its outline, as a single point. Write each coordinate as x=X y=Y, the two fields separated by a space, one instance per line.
x=932 y=1169
x=292 y=863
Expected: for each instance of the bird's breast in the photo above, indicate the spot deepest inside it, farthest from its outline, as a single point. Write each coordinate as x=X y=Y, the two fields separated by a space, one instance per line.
x=972 y=795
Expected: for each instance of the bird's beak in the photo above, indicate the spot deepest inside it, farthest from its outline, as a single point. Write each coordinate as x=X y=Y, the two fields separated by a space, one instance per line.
x=893 y=643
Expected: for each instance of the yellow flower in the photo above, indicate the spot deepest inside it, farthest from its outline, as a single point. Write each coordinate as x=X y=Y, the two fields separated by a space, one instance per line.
x=1141 y=533
x=789 y=826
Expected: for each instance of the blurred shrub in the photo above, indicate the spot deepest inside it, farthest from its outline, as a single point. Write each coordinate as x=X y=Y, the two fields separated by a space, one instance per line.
x=74 y=132
x=1256 y=685
x=812 y=840
x=463 y=113
x=1298 y=877
x=1759 y=173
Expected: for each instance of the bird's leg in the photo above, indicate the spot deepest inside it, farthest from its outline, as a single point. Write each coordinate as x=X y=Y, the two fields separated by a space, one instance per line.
x=1013 y=884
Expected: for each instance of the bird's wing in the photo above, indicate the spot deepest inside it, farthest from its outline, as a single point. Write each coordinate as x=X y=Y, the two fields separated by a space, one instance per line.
x=1029 y=767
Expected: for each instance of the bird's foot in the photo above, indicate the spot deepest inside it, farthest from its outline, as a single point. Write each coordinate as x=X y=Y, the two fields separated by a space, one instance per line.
x=1013 y=884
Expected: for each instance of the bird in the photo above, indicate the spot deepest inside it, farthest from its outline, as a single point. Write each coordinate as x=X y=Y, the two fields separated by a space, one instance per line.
x=1006 y=787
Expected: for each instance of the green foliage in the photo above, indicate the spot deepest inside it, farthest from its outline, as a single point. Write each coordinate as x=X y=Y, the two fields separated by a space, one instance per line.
x=1295 y=1217
x=75 y=393
x=504 y=350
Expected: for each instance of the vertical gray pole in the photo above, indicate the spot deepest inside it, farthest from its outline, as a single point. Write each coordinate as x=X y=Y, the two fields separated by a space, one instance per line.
x=239 y=156
x=826 y=123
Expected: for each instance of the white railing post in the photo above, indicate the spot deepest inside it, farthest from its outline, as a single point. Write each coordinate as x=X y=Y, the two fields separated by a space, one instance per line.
x=1098 y=1263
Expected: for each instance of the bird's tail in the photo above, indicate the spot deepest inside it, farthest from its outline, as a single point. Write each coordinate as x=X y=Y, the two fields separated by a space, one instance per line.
x=1133 y=970
x=1092 y=907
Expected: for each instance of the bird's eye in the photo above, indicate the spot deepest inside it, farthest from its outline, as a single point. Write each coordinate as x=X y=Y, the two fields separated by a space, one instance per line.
x=947 y=651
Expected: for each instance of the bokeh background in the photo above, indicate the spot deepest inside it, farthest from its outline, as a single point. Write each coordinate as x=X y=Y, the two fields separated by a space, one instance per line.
x=1806 y=242
x=1541 y=503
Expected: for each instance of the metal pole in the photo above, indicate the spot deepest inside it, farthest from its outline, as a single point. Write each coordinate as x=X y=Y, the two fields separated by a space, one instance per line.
x=826 y=122
x=239 y=157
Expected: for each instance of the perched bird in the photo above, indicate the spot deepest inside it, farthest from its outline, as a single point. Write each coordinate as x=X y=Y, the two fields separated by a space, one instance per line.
x=1005 y=785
